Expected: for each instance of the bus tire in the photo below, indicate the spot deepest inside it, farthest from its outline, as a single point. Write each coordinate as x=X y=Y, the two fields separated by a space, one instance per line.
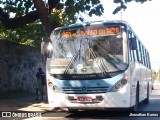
x=135 y=107
x=146 y=101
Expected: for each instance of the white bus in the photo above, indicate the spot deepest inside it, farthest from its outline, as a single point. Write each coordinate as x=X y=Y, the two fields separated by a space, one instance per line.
x=97 y=65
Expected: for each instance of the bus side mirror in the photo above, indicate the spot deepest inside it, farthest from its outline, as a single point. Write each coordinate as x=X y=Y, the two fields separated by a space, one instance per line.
x=133 y=43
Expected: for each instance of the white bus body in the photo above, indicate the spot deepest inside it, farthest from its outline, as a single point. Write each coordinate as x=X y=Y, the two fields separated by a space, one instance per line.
x=113 y=80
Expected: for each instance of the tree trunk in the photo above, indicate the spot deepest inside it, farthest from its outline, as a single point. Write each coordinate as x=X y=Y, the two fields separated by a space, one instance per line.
x=43 y=14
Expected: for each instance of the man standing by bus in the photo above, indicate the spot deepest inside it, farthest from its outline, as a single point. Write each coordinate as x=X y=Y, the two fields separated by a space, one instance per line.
x=40 y=83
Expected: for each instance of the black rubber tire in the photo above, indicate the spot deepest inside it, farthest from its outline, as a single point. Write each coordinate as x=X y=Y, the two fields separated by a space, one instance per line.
x=146 y=101
x=135 y=107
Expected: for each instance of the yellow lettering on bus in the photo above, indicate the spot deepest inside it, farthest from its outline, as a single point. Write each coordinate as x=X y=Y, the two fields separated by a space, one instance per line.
x=101 y=32
x=111 y=30
x=66 y=34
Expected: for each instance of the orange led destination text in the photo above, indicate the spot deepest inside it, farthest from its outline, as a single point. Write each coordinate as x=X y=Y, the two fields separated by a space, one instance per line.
x=112 y=30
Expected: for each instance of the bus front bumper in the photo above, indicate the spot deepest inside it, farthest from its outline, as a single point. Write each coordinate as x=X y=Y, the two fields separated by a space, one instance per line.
x=90 y=101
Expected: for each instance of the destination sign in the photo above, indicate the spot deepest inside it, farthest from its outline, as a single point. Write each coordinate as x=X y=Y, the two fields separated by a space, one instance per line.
x=92 y=32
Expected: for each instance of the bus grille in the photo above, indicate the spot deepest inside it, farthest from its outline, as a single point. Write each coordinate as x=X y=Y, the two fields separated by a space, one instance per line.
x=79 y=90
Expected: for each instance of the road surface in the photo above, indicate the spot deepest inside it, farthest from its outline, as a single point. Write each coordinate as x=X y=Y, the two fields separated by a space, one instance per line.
x=149 y=111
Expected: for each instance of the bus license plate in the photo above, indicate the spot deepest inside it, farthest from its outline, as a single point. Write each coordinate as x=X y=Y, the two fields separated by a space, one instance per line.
x=84 y=99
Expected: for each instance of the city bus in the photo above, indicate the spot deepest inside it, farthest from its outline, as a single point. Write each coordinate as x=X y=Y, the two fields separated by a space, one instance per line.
x=97 y=65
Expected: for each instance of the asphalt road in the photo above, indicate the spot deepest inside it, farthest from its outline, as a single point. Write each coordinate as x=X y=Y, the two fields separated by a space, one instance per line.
x=149 y=111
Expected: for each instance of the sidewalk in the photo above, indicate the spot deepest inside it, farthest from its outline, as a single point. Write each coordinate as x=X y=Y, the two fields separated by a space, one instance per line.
x=23 y=103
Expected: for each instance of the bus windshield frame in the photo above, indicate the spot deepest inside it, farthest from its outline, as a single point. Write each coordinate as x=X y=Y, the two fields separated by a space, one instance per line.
x=92 y=51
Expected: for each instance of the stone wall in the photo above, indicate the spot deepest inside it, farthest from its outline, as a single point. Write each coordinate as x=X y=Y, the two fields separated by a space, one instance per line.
x=18 y=66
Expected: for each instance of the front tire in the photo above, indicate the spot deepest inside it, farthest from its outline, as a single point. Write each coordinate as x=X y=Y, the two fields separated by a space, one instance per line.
x=135 y=107
x=146 y=101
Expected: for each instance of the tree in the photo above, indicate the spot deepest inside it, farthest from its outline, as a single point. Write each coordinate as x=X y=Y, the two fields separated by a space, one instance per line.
x=27 y=11
x=52 y=14
x=30 y=34
x=154 y=75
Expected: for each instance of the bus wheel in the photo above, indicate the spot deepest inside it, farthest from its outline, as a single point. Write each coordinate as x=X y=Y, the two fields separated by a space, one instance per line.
x=135 y=107
x=146 y=101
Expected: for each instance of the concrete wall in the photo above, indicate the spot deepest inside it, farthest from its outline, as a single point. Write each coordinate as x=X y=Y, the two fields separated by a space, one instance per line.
x=18 y=66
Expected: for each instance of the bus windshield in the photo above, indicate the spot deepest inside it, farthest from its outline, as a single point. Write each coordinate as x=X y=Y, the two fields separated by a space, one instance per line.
x=89 y=50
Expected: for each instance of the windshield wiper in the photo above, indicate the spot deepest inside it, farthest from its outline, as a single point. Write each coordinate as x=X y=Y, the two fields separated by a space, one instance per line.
x=99 y=62
x=74 y=58
x=72 y=61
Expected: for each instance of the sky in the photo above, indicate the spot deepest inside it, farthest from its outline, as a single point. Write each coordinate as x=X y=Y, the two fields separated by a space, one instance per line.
x=144 y=20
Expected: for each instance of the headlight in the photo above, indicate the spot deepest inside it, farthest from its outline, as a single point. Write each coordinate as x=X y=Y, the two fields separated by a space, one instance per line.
x=119 y=84
x=53 y=87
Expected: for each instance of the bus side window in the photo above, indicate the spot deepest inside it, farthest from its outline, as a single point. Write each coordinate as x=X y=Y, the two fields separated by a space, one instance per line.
x=144 y=56
x=131 y=57
x=136 y=50
x=148 y=61
x=135 y=55
x=139 y=52
x=133 y=46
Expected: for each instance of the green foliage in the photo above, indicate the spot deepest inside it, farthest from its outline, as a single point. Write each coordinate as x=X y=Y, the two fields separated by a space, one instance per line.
x=154 y=75
x=141 y=1
x=71 y=7
x=30 y=34
x=123 y=4
x=19 y=7
x=64 y=12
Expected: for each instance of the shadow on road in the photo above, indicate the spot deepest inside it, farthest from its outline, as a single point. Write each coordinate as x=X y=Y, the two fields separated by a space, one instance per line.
x=98 y=114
